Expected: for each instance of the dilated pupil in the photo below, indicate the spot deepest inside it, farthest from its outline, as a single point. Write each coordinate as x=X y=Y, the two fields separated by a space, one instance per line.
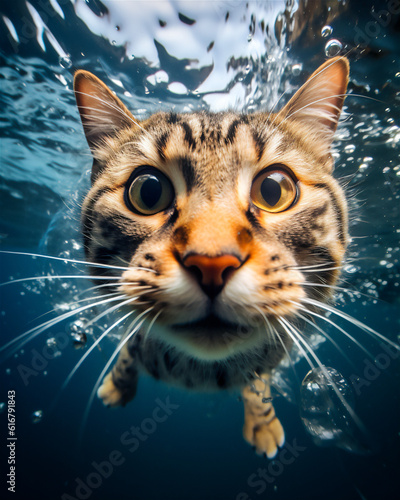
x=271 y=191
x=150 y=192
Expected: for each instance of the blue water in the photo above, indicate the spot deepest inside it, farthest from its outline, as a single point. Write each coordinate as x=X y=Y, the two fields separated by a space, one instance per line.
x=197 y=452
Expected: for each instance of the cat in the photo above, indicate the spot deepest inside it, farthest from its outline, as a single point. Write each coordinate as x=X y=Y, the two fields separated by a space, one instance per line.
x=222 y=228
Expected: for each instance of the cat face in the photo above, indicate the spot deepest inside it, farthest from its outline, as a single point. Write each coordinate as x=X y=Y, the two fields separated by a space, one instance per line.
x=223 y=221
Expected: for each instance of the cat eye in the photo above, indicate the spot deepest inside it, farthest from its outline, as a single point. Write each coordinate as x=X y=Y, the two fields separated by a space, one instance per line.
x=148 y=192
x=274 y=190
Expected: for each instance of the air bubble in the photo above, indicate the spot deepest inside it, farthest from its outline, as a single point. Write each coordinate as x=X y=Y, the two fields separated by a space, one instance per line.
x=351 y=269
x=37 y=416
x=333 y=48
x=2 y=407
x=77 y=325
x=65 y=62
x=79 y=340
x=266 y=400
x=77 y=331
x=326 y=31
x=326 y=402
x=296 y=69
x=51 y=342
x=350 y=148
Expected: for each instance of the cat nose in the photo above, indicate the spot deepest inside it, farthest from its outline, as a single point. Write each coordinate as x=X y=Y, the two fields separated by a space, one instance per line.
x=211 y=272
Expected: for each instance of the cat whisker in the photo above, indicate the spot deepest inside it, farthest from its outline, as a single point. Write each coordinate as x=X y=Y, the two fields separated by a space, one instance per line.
x=313 y=266
x=113 y=294
x=321 y=270
x=54 y=277
x=110 y=310
x=292 y=365
x=75 y=261
x=97 y=287
x=327 y=375
x=275 y=105
x=335 y=288
x=274 y=333
x=324 y=334
x=283 y=324
x=268 y=324
x=93 y=346
x=327 y=320
x=37 y=330
x=354 y=321
x=152 y=322
x=108 y=364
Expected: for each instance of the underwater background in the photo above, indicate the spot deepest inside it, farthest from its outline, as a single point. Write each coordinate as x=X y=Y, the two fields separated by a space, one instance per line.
x=185 y=56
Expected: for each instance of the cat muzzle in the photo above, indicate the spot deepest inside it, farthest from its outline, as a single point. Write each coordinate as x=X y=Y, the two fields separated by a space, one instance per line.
x=212 y=273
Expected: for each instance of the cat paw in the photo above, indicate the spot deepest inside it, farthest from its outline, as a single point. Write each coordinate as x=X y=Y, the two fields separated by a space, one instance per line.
x=109 y=392
x=265 y=436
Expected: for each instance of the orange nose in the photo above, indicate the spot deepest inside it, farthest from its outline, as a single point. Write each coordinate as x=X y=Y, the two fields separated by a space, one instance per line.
x=212 y=269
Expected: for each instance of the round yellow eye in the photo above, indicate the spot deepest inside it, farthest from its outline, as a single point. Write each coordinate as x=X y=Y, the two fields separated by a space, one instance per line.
x=149 y=192
x=273 y=190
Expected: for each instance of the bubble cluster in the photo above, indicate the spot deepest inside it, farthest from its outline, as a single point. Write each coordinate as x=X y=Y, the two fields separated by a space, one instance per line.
x=326 y=409
x=333 y=48
x=77 y=330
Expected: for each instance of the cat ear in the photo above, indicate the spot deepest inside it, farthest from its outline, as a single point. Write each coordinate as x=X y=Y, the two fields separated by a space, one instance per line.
x=102 y=113
x=318 y=103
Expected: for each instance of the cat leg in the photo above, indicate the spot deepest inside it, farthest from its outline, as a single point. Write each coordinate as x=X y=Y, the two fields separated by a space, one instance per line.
x=119 y=386
x=261 y=429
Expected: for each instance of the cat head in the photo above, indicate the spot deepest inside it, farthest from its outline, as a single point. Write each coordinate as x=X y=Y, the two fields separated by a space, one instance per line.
x=224 y=222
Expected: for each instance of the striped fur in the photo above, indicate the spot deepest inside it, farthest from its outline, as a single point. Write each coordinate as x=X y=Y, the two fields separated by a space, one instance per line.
x=211 y=160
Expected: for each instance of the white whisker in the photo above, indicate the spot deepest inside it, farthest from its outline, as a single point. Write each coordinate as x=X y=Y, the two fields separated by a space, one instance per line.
x=283 y=323
x=33 y=332
x=313 y=266
x=110 y=310
x=93 y=346
x=51 y=277
x=105 y=369
x=321 y=270
x=113 y=294
x=95 y=264
x=273 y=332
x=327 y=320
x=326 y=374
x=352 y=320
x=324 y=334
x=336 y=288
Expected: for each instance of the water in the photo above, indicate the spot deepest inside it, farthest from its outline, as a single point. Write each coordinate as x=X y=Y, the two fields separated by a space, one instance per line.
x=327 y=409
x=155 y=57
